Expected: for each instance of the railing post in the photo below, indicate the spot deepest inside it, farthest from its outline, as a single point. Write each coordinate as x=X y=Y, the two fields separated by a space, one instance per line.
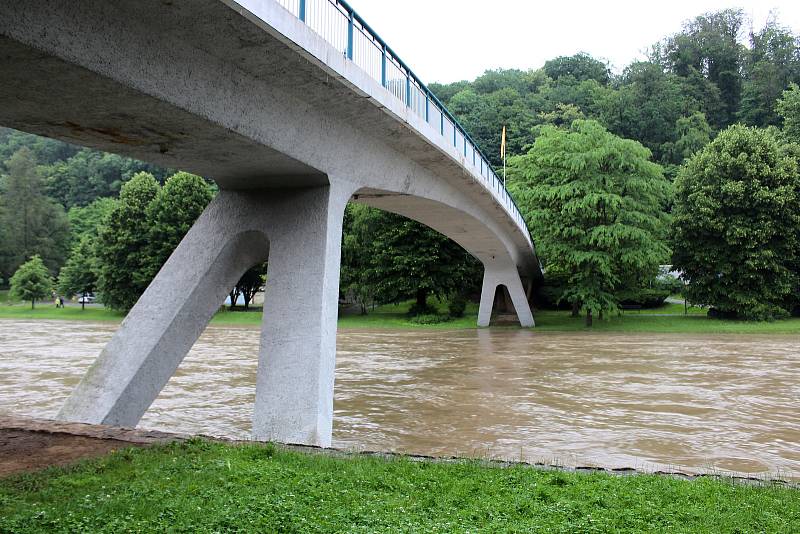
x=427 y=106
x=384 y=82
x=408 y=89
x=302 y=13
x=441 y=117
x=455 y=138
x=350 y=36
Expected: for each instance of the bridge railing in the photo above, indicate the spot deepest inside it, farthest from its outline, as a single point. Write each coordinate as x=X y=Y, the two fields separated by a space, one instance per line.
x=343 y=28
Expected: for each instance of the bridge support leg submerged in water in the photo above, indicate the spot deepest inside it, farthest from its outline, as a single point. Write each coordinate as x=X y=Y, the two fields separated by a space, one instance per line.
x=299 y=231
x=497 y=274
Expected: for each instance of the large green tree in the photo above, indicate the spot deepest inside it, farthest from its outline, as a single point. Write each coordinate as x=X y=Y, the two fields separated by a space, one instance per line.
x=737 y=224
x=594 y=203
x=772 y=64
x=709 y=49
x=123 y=242
x=173 y=211
x=31 y=282
x=394 y=258
x=32 y=223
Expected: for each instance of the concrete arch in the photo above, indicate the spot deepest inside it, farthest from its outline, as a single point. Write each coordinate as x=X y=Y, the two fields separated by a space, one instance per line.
x=472 y=234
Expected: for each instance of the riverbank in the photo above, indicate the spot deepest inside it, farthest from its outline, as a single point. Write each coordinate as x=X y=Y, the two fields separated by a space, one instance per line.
x=199 y=485
x=669 y=318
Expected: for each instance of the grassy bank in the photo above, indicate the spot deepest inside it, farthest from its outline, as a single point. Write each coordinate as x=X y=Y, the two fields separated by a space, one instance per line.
x=201 y=487
x=666 y=319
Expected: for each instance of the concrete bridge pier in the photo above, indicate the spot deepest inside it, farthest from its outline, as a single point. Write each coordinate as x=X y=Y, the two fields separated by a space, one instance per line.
x=299 y=231
x=497 y=274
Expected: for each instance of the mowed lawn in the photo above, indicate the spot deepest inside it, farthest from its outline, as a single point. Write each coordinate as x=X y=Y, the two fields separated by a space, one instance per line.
x=210 y=487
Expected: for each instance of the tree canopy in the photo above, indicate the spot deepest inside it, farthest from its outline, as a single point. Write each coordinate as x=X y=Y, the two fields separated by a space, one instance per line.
x=737 y=224
x=33 y=224
x=594 y=203
x=31 y=282
x=389 y=258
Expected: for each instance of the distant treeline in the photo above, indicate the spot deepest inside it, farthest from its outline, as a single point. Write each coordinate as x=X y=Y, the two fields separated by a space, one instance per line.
x=711 y=74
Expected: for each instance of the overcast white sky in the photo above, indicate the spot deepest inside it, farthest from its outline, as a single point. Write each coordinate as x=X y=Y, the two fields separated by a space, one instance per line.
x=451 y=40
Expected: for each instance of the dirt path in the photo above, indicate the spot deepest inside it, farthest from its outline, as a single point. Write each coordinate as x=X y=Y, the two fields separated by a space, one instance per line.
x=32 y=444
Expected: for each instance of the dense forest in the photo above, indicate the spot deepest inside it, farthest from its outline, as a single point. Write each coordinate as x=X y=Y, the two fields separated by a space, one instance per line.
x=716 y=73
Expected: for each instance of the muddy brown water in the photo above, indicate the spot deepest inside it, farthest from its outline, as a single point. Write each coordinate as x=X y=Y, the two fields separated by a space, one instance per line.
x=694 y=402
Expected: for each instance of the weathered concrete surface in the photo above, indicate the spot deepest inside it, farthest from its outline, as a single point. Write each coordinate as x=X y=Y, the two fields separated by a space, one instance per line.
x=247 y=95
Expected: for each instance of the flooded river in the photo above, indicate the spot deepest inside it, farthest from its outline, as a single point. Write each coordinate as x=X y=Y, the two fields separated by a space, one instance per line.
x=697 y=402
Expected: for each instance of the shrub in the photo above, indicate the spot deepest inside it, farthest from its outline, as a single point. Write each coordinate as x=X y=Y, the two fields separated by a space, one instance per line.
x=457 y=306
x=646 y=298
x=430 y=318
x=427 y=309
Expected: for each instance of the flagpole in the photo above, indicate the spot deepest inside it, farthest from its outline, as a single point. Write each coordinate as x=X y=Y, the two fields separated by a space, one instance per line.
x=503 y=155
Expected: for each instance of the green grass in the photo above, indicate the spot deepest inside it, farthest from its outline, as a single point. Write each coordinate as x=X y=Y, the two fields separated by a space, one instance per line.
x=47 y=311
x=666 y=319
x=209 y=487
x=558 y=321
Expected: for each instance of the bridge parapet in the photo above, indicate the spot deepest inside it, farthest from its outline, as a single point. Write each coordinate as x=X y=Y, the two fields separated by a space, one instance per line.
x=342 y=27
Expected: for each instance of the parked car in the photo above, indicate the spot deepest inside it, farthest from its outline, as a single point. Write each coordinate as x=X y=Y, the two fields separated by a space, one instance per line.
x=86 y=299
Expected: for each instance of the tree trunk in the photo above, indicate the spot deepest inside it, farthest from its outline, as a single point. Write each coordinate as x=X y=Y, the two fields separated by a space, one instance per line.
x=422 y=299
x=588 y=318
x=576 y=309
x=601 y=315
x=33 y=301
x=83 y=302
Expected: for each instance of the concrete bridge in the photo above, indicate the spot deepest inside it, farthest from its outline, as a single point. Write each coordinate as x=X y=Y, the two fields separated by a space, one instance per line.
x=293 y=108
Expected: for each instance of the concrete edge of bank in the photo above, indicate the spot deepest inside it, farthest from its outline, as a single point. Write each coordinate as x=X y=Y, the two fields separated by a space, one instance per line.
x=139 y=437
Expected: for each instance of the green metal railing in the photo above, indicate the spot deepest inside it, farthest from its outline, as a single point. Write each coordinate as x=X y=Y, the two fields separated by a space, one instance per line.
x=342 y=27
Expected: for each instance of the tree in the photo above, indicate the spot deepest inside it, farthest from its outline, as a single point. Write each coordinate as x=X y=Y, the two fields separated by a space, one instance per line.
x=789 y=109
x=647 y=108
x=709 y=47
x=79 y=274
x=356 y=256
x=86 y=221
x=693 y=134
x=123 y=242
x=31 y=281
x=772 y=64
x=737 y=224
x=249 y=284
x=402 y=259
x=578 y=68
x=594 y=203
x=173 y=211
x=33 y=224
x=91 y=174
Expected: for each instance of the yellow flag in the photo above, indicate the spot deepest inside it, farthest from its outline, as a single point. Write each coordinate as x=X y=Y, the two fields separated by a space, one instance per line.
x=503 y=144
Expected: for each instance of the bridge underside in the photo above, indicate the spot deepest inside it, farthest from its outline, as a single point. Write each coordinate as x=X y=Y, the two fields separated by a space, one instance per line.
x=197 y=85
